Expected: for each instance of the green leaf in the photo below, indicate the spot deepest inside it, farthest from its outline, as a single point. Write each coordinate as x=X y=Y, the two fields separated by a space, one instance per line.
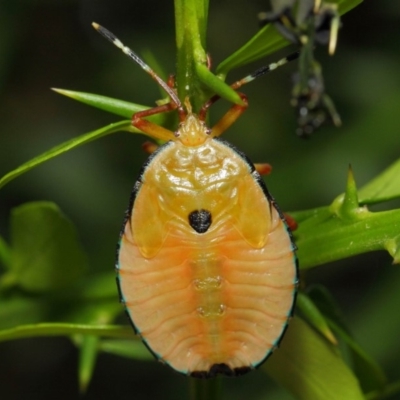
x=118 y=107
x=310 y=368
x=114 y=106
x=314 y=317
x=66 y=329
x=345 y=6
x=66 y=146
x=369 y=373
x=386 y=186
x=87 y=360
x=46 y=254
x=267 y=41
x=126 y=348
x=327 y=305
x=216 y=85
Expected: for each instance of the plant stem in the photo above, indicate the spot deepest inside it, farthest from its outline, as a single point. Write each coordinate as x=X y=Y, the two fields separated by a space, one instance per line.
x=191 y=24
x=64 y=329
x=206 y=389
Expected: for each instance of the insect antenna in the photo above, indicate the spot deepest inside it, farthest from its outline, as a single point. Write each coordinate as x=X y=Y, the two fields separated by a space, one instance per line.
x=133 y=56
x=265 y=69
x=247 y=79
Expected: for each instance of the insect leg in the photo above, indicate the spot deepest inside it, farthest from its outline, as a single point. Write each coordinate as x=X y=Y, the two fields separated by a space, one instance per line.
x=229 y=118
x=236 y=110
x=150 y=128
x=290 y=221
x=149 y=147
x=263 y=168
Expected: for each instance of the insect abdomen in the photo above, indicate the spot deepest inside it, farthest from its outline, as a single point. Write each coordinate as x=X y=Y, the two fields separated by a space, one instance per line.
x=213 y=300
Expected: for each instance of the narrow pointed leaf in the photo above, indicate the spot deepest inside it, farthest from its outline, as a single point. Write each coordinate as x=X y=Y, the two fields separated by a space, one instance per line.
x=325 y=302
x=314 y=317
x=310 y=368
x=216 y=85
x=87 y=360
x=369 y=373
x=386 y=186
x=114 y=106
x=346 y=5
x=66 y=146
x=46 y=253
x=267 y=41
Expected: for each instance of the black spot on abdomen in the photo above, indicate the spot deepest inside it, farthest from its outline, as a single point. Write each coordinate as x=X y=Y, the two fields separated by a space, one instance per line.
x=200 y=220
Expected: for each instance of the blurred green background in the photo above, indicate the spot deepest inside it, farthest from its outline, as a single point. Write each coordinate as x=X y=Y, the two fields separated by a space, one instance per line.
x=47 y=43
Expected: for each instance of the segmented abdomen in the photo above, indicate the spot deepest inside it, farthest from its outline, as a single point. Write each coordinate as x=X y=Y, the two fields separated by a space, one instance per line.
x=209 y=303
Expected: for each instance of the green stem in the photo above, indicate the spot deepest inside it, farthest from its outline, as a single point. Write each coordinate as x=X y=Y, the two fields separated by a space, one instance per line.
x=208 y=389
x=62 y=329
x=190 y=20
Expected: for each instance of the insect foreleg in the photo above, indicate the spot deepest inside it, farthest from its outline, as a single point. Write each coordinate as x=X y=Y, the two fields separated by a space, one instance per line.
x=230 y=117
x=150 y=128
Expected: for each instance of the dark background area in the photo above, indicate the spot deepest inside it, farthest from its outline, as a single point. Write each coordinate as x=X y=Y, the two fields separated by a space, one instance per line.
x=47 y=43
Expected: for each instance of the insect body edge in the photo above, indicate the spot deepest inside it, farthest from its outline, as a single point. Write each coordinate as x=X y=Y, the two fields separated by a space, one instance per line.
x=214 y=301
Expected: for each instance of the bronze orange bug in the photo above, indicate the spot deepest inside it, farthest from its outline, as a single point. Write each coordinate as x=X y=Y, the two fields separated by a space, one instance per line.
x=206 y=266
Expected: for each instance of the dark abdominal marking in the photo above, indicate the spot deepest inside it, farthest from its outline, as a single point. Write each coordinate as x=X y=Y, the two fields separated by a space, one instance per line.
x=200 y=220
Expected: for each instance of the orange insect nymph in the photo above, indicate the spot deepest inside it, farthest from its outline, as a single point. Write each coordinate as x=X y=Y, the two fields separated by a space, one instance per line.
x=206 y=265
